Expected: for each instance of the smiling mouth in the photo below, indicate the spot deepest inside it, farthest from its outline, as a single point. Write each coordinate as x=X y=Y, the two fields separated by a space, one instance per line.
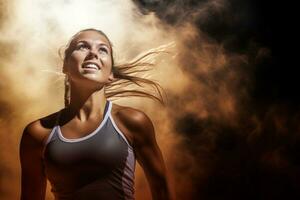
x=89 y=65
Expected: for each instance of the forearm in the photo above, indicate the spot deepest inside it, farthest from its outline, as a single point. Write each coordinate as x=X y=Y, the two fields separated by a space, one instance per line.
x=161 y=190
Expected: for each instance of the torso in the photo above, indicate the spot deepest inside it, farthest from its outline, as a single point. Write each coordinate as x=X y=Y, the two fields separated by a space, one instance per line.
x=89 y=158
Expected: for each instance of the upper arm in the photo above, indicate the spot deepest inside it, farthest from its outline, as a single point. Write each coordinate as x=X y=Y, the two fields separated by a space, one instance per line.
x=148 y=153
x=33 y=179
x=146 y=148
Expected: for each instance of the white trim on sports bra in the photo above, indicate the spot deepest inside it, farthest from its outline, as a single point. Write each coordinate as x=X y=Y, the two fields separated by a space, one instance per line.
x=60 y=135
x=119 y=131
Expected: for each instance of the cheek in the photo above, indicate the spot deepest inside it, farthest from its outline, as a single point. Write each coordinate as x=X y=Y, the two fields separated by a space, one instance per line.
x=72 y=62
x=107 y=60
x=76 y=57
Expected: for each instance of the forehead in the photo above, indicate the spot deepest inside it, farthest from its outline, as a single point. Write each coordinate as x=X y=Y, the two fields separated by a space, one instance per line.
x=90 y=36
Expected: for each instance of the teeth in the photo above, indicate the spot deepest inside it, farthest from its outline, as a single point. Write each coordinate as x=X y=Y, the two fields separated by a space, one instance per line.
x=93 y=66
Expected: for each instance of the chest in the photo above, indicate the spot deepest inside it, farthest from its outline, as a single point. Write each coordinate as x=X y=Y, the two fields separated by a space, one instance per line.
x=103 y=149
x=74 y=130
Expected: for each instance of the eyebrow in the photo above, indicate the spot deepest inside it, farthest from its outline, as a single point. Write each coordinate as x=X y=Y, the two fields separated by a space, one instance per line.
x=99 y=44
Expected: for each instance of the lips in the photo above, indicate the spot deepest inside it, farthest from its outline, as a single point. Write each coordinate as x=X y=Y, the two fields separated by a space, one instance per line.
x=90 y=65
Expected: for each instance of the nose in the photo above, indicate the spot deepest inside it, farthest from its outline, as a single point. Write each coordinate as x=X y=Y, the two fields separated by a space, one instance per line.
x=93 y=53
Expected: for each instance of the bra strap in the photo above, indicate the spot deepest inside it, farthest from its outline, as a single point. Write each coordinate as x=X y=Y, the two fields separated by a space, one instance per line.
x=106 y=108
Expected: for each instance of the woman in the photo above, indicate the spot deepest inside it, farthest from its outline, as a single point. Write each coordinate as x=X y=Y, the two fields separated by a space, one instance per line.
x=88 y=149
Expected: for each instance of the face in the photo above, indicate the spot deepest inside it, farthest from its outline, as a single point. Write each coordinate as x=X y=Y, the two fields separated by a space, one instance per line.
x=89 y=60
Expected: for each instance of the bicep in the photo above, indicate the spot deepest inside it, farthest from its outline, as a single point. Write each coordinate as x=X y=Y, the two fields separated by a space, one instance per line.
x=33 y=180
x=148 y=152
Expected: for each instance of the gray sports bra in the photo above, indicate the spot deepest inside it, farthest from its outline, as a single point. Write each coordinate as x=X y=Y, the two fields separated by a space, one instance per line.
x=97 y=166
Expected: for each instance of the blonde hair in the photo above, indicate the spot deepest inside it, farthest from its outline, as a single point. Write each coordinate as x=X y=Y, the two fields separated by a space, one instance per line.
x=125 y=75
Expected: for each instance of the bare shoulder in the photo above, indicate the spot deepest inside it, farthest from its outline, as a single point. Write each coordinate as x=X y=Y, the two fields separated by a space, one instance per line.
x=134 y=122
x=132 y=117
x=39 y=129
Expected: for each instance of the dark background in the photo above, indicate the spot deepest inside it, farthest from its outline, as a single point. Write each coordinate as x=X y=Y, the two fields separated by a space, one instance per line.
x=258 y=159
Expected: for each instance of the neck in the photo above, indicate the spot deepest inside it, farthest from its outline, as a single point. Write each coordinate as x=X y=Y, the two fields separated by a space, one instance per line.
x=86 y=103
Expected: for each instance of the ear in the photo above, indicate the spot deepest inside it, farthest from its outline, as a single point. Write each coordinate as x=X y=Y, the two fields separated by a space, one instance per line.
x=111 y=77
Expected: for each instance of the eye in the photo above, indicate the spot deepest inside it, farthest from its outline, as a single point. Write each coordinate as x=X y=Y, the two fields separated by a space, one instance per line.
x=103 y=50
x=82 y=46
